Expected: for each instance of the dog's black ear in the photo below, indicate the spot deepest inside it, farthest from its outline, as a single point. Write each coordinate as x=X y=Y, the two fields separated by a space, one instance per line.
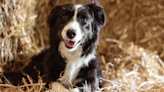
x=99 y=13
x=53 y=16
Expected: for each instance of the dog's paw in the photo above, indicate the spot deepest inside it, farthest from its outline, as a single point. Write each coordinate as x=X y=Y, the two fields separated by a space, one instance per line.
x=57 y=87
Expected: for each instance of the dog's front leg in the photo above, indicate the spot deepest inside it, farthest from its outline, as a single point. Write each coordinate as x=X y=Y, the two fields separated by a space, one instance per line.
x=89 y=77
x=89 y=81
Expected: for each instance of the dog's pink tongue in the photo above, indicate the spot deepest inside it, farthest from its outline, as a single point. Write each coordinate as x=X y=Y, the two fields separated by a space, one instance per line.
x=69 y=43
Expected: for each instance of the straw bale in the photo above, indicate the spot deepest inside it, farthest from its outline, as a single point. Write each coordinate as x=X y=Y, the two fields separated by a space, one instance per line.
x=130 y=50
x=17 y=22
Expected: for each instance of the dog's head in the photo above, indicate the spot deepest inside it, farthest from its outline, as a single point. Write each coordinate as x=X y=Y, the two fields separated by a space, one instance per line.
x=76 y=24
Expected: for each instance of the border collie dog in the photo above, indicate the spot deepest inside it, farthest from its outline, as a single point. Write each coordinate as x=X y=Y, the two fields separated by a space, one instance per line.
x=74 y=32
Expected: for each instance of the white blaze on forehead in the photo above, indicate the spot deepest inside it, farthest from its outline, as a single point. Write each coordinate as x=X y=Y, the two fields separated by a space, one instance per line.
x=76 y=11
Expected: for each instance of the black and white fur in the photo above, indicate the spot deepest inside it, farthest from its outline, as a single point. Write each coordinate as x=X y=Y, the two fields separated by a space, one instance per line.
x=71 y=57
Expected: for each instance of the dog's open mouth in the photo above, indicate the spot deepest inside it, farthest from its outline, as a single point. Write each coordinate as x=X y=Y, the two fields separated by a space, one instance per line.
x=70 y=44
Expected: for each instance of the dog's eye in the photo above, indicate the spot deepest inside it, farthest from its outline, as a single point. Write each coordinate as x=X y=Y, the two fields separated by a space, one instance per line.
x=64 y=17
x=83 y=20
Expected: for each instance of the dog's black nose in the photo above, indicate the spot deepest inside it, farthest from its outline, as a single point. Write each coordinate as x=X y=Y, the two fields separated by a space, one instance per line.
x=71 y=33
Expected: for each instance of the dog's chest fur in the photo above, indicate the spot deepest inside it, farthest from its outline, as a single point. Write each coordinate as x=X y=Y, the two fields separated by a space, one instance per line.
x=74 y=62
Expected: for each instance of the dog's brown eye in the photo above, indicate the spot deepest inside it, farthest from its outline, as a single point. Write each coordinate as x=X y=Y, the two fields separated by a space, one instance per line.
x=83 y=20
x=65 y=17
